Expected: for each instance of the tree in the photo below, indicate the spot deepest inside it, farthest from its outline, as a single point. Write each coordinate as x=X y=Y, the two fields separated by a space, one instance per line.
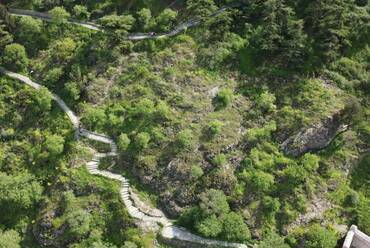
x=9 y=239
x=280 y=34
x=143 y=108
x=331 y=24
x=63 y=50
x=142 y=140
x=94 y=118
x=41 y=100
x=260 y=181
x=78 y=222
x=15 y=57
x=54 y=144
x=201 y=8
x=123 y=142
x=144 y=17
x=272 y=239
x=320 y=237
x=5 y=36
x=29 y=32
x=213 y=202
x=166 y=20
x=209 y=226
x=6 y=26
x=18 y=193
x=118 y=25
x=234 y=228
x=59 y=15
x=81 y=12
x=53 y=75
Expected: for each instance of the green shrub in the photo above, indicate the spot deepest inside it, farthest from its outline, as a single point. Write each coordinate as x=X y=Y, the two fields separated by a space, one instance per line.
x=185 y=138
x=210 y=226
x=320 y=237
x=220 y=159
x=224 y=98
x=123 y=142
x=196 y=171
x=310 y=162
x=272 y=239
x=266 y=102
x=215 y=127
x=234 y=228
x=363 y=215
x=10 y=239
x=59 y=15
x=259 y=181
x=260 y=134
x=142 y=140
x=213 y=202
x=15 y=58
x=80 y=12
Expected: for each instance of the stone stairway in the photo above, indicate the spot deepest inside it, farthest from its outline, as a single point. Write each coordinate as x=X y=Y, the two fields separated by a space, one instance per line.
x=170 y=233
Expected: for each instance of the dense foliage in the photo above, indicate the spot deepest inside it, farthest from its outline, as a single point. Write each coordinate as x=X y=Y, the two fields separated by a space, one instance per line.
x=199 y=120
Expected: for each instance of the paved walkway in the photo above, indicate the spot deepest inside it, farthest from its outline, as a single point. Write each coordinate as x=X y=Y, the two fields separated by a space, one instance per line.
x=169 y=231
x=134 y=36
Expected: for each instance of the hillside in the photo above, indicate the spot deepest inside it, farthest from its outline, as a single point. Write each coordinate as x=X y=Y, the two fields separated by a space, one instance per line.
x=240 y=121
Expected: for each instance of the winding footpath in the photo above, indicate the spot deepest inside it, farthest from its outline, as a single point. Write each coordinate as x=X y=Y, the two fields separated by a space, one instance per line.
x=170 y=233
x=135 y=36
x=137 y=209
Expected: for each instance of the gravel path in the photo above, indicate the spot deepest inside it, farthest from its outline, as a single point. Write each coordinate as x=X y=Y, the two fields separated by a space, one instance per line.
x=169 y=231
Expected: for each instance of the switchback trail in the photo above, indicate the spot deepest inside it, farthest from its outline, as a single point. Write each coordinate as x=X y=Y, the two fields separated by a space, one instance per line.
x=169 y=232
x=134 y=36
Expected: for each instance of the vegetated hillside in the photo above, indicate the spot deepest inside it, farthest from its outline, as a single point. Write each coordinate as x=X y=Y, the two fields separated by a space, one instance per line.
x=253 y=126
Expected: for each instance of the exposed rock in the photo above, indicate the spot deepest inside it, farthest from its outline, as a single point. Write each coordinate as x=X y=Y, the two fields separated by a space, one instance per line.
x=44 y=232
x=214 y=91
x=169 y=206
x=315 y=137
x=315 y=211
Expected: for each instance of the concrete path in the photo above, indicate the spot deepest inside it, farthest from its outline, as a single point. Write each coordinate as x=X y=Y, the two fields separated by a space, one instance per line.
x=169 y=231
x=47 y=17
x=134 y=36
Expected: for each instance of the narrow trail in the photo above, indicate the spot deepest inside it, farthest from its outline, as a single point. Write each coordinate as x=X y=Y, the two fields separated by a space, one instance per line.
x=134 y=36
x=169 y=231
x=136 y=209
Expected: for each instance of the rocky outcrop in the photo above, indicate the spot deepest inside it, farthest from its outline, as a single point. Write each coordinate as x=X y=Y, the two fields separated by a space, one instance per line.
x=315 y=137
